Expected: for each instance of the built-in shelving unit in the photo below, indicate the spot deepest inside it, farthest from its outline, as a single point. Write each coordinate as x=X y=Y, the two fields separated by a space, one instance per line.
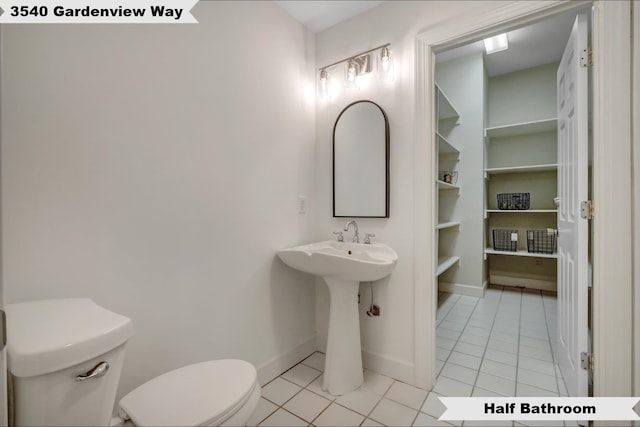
x=490 y=251
x=445 y=263
x=521 y=158
x=522 y=128
x=448 y=155
x=445 y=225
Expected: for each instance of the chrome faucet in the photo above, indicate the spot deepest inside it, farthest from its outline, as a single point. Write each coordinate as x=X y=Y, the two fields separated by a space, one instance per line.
x=356 y=236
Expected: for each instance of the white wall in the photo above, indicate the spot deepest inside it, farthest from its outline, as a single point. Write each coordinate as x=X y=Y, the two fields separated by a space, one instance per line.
x=156 y=169
x=388 y=340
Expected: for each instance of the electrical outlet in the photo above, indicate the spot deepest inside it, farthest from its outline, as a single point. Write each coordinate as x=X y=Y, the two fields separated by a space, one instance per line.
x=302 y=205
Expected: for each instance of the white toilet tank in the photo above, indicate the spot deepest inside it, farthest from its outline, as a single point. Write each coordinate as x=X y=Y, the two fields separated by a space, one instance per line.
x=52 y=345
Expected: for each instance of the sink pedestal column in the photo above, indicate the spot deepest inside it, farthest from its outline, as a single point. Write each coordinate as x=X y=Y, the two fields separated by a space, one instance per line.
x=343 y=365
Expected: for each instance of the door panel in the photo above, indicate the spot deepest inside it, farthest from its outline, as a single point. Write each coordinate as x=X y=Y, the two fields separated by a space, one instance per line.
x=572 y=229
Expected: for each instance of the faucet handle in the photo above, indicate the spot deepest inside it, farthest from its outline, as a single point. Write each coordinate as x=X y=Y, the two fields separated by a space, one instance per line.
x=340 y=236
x=367 y=236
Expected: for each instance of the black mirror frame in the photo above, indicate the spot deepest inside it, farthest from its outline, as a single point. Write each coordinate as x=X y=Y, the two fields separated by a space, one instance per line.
x=387 y=152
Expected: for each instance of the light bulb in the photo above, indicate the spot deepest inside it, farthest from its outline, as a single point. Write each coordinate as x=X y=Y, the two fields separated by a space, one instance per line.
x=324 y=84
x=386 y=70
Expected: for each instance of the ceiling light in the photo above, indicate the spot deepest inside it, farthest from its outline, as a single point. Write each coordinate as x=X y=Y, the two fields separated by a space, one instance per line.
x=496 y=43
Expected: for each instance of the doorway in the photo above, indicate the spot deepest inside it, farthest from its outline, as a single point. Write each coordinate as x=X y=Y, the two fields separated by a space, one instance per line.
x=497 y=158
x=611 y=47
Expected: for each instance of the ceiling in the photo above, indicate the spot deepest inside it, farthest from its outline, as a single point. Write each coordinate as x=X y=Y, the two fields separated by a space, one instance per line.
x=320 y=15
x=540 y=43
x=536 y=44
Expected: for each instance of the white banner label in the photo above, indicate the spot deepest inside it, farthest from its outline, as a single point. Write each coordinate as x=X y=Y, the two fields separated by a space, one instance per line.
x=97 y=12
x=540 y=408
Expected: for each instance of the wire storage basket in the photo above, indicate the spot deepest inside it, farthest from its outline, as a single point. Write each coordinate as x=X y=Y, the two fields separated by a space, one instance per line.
x=541 y=241
x=514 y=201
x=505 y=240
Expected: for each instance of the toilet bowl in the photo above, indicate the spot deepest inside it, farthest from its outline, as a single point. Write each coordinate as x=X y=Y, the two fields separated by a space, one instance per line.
x=65 y=357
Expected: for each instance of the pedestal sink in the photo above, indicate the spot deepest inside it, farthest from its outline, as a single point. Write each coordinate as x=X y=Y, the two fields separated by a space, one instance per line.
x=342 y=266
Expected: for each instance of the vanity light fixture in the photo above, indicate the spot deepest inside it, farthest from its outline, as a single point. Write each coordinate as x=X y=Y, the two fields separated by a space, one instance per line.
x=496 y=43
x=357 y=66
x=323 y=84
x=386 y=64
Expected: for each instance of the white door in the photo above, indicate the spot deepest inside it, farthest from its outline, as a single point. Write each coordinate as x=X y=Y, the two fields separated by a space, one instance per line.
x=572 y=190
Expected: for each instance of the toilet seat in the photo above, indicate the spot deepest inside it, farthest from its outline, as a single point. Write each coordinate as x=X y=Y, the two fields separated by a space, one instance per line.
x=205 y=393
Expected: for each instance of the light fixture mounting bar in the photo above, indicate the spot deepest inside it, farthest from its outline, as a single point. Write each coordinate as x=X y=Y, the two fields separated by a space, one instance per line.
x=354 y=56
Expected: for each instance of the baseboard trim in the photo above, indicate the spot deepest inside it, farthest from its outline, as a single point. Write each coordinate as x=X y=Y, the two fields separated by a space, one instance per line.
x=459 y=288
x=384 y=365
x=279 y=364
x=532 y=282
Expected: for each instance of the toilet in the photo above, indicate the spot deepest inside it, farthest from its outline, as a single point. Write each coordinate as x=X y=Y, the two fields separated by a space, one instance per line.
x=65 y=357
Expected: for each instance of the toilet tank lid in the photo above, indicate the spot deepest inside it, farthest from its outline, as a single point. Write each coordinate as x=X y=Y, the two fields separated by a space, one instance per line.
x=50 y=335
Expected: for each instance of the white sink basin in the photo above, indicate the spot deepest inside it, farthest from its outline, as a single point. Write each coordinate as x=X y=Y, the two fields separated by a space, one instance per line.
x=347 y=261
x=342 y=266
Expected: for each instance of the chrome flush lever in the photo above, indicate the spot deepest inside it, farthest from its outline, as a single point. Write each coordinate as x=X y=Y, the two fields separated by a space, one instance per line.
x=98 y=371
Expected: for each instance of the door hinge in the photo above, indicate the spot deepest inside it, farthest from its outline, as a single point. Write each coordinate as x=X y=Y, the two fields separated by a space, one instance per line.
x=586 y=361
x=586 y=58
x=586 y=209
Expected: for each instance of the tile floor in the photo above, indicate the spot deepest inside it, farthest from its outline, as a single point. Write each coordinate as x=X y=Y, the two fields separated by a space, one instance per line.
x=496 y=346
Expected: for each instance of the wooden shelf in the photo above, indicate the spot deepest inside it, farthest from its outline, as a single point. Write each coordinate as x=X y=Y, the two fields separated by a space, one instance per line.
x=445 y=186
x=445 y=225
x=445 y=108
x=444 y=146
x=445 y=263
x=522 y=169
x=523 y=128
x=490 y=251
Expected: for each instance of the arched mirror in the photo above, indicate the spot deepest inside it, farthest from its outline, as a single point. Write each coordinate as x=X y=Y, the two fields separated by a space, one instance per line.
x=361 y=162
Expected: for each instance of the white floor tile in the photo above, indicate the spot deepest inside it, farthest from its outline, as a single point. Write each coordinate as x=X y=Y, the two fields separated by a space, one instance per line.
x=361 y=400
x=263 y=410
x=537 y=379
x=466 y=360
x=279 y=391
x=441 y=353
x=391 y=413
x=406 y=394
x=456 y=326
x=445 y=343
x=480 y=392
x=502 y=336
x=424 y=420
x=531 y=423
x=306 y=405
x=509 y=347
x=447 y=333
x=301 y=375
x=370 y=423
x=473 y=339
x=316 y=361
x=439 y=365
x=496 y=384
x=470 y=349
x=536 y=353
x=460 y=373
x=524 y=390
x=534 y=342
x=475 y=330
x=376 y=383
x=316 y=387
x=284 y=419
x=336 y=415
x=540 y=334
x=448 y=387
x=536 y=365
x=498 y=369
x=433 y=406
x=498 y=356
